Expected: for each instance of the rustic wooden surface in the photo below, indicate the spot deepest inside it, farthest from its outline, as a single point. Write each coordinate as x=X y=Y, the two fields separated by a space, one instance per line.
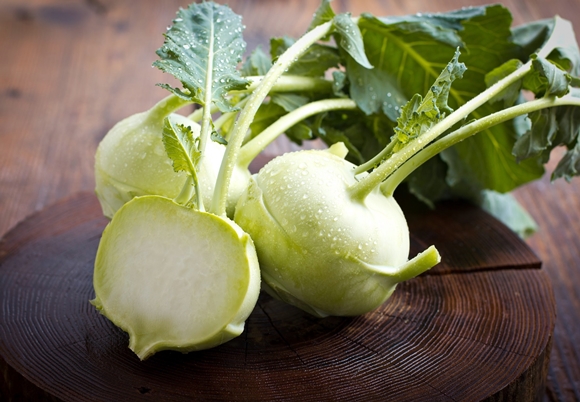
x=476 y=327
x=71 y=69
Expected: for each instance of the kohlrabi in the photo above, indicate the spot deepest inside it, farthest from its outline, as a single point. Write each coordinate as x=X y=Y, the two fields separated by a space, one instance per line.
x=168 y=273
x=330 y=237
x=131 y=161
x=175 y=272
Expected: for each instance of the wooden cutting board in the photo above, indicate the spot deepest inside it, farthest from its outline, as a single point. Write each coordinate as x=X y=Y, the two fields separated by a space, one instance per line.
x=476 y=327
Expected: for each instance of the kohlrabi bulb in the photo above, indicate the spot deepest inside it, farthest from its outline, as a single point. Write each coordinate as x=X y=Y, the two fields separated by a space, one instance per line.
x=131 y=161
x=319 y=248
x=173 y=277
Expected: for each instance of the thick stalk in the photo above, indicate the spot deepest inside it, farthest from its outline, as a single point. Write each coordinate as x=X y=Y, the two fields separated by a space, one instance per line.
x=391 y=183
x=247 y=114
x=361 y=189
x=253 y=147
x=292 y=83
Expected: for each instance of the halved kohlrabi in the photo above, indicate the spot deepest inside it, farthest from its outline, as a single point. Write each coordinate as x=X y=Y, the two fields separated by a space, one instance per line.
x=175 y=278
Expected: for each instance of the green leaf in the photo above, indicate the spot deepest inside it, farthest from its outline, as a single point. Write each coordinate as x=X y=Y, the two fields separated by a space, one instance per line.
x=428 y=183
x=546 y=79
x=258 y=63
x=511 y=94
x=562 y=48
x=486 y=158
x=289 y=101
x=313 y=63
x=568 y=118
x=202 y=50
x=267 y=114
x=323 y=13
x=569 y=165
x=339 y=83
x=531 y=37
x=539 y=138
x=299 y=132
x=181 y=147
x=407 y=53
x=508 y=210
x=351 y=39
x=419 y=115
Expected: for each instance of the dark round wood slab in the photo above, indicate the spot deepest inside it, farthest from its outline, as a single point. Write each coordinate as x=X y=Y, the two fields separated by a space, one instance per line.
x=476 y=327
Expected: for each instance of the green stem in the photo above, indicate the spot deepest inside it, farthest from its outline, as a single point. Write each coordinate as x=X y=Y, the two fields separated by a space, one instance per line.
x=377 y=159
x=286 y=83
x=292 y=83
x=165 y=107
x=224 y=118
x=422 y=262
x=361 y=189
x=253 y=147
x=391 y=183
x=247 y=115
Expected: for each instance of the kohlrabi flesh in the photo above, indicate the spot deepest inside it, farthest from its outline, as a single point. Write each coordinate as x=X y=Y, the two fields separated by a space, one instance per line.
x=173 y=277
x=319 y=248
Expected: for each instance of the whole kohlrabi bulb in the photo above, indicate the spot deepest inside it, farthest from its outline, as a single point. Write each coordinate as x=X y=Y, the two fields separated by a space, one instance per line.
x=319 y=248
x=131 y=161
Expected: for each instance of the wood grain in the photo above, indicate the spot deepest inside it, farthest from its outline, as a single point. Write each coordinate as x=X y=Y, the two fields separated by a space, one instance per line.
x=73 y=68
x=453 y=335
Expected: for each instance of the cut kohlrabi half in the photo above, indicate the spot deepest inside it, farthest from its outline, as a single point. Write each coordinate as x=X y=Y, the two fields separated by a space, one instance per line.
x=175 y=278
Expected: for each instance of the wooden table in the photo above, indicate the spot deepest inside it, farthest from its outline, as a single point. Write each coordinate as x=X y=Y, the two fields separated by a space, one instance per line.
x=71 y=69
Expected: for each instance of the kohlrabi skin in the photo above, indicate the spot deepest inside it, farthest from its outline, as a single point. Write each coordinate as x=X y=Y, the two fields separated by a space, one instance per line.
x=175 y=278
x=319 y=248
x=131 y=161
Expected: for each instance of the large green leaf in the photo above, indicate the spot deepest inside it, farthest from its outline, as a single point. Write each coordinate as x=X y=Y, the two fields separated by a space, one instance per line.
x=486 y=157
x=202 y=50
x=407 y=54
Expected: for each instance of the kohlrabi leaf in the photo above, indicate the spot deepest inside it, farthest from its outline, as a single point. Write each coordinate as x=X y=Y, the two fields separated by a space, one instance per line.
x=561 y=47
x=363 y=135
x=202 y=50
x=407 y=53
x=568 y=118
x=299 y=132
x=569 y=165
x=339 y=83
x=546 y=79
x=323 y=13
x=486 y=157
x=350 y=39
x=531 y=36
x=257 y=64
x=267 y=114
x=512 y=92
x=314 y=63
x=289 y=101
x=427 y=183
x=508 y=210
x=539 y=138
x=420 y=114
x=181 y=147
x=551 y=128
